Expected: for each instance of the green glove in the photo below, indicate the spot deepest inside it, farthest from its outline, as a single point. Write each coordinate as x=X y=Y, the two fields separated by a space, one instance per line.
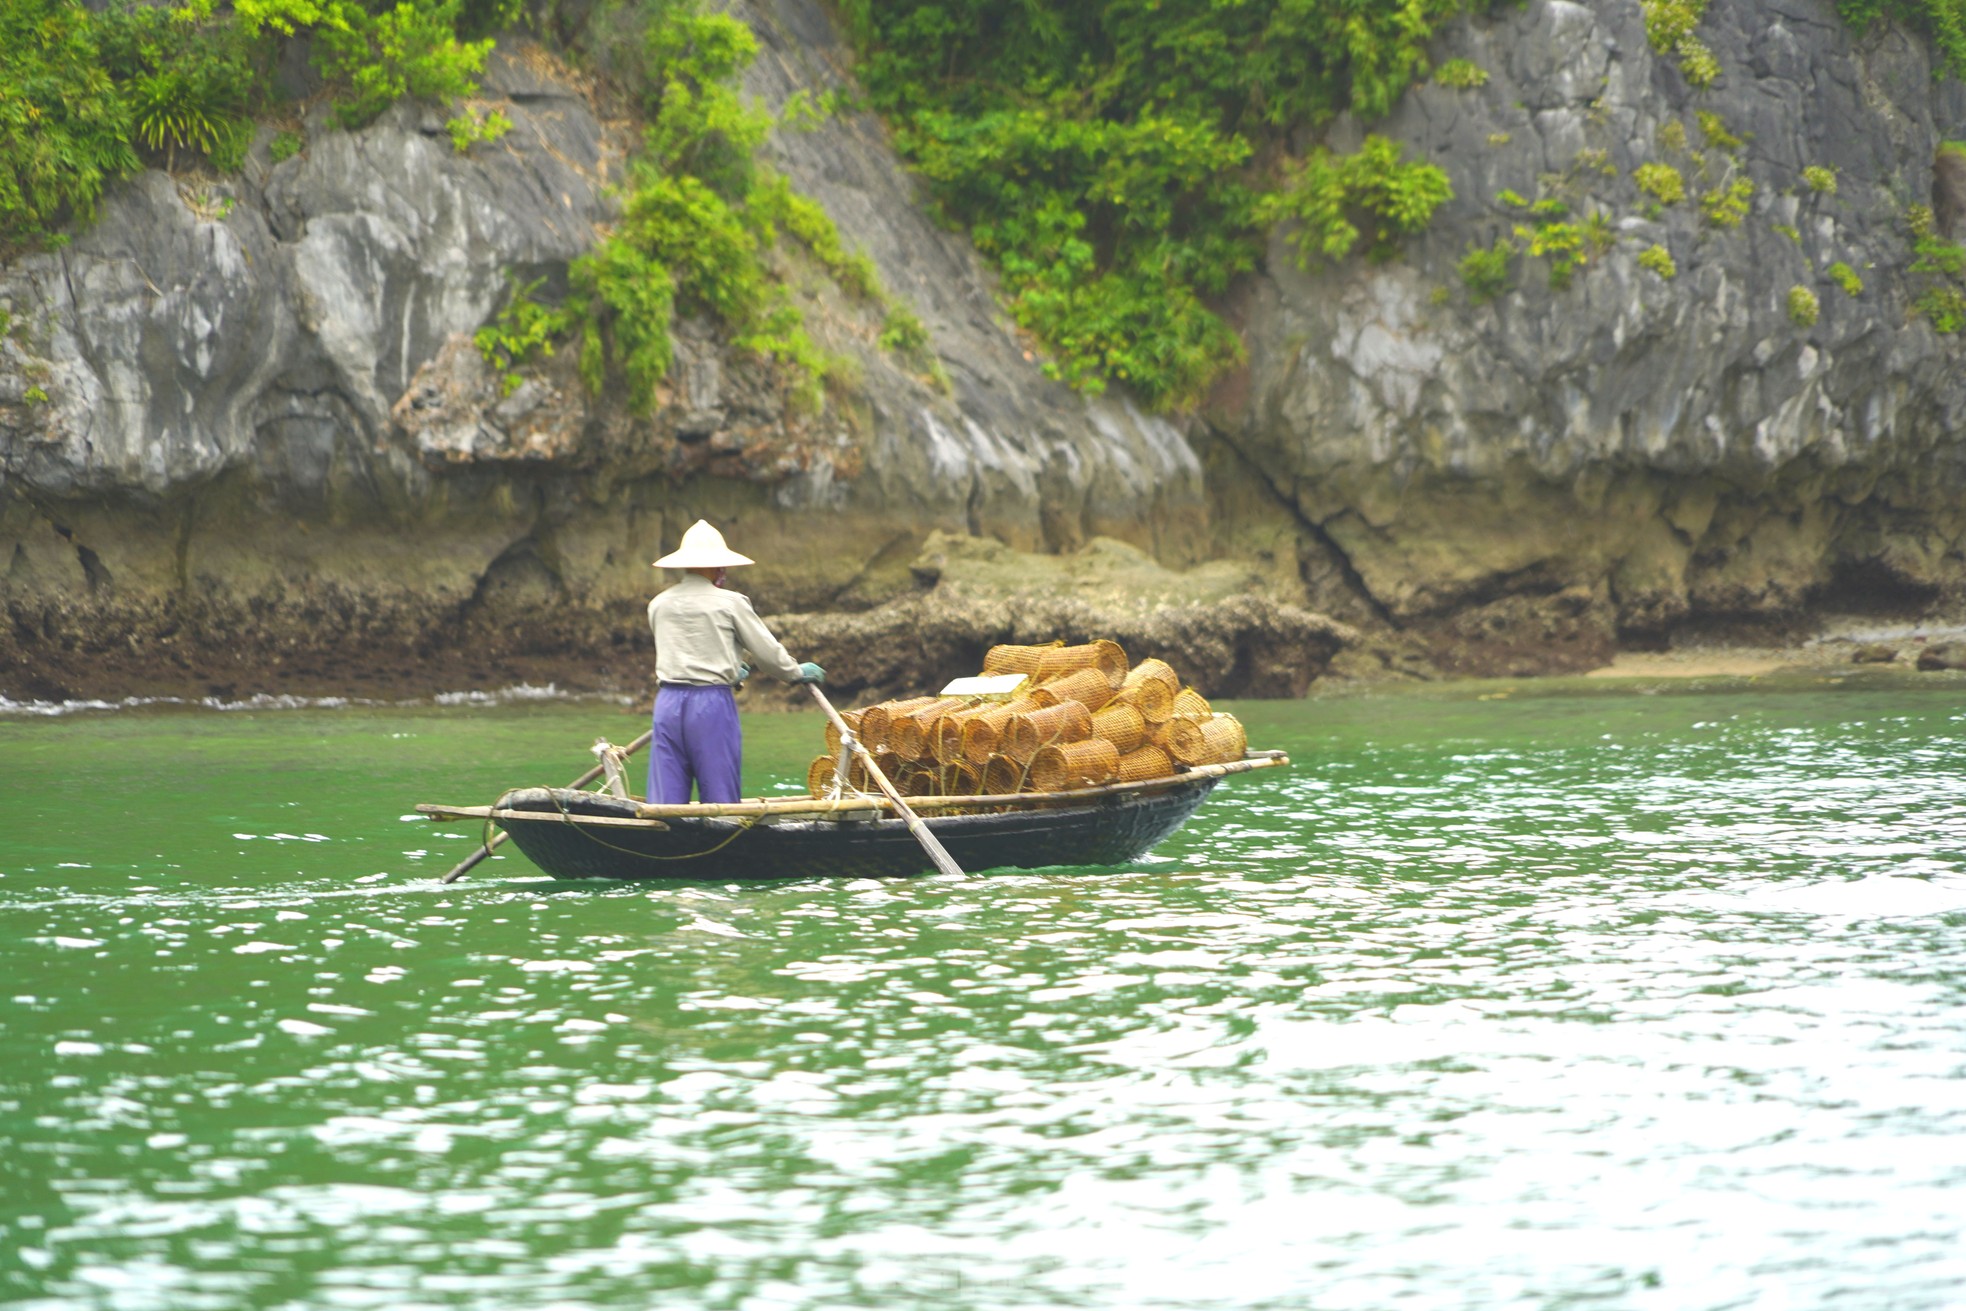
x=743 y=671
x=811 y=673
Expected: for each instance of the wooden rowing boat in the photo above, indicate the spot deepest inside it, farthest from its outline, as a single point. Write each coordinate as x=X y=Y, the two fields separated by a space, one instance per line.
x=574 y=834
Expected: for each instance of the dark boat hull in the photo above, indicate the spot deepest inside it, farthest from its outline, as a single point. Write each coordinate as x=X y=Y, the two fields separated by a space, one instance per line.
x=1108 y=831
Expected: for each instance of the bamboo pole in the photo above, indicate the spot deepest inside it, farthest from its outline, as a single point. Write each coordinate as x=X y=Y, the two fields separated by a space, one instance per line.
x=938 y=855
x=803 y=806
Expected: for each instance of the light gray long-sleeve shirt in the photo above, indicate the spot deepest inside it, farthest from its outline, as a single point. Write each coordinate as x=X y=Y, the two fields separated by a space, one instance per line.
x=703 y=632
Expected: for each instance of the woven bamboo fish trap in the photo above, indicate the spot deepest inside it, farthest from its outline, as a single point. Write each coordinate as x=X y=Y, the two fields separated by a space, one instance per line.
x=946 y=742
x=915 y=781
x=1003 y=776
x=908 y=735
x=1107 y=657
x=1122 y=725
x=1143 y=763
x=852 y=720
x=1154 y=702
x=1068 y=721
x=1089 y=687
x=983 y=733
x=956 y=779
x=875 y=720
x=1007 y=659
x=1190 y=702
x=819 y=775
x=1068 y=765
x=1206 y=741
x=1152 y=670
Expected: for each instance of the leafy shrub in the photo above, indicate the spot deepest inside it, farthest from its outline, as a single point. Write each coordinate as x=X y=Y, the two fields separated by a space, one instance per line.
x=1551 y=235
x=1114 y=160
x=1485 y=270
x=1727 y=206
x=1818 y=178
x=469 y=129
x=698 y=220
x=411 y=49
x=64 y=132
x=1714 y=128
x=1804 y=309
x=1461 y=74
x=1373 y=185
x=1668 y=22
x=1658 y=260
x=1660 y=181
x=191 y=80
x=524 y=330
x=1846 y=277
x=1669 y=26
x=1943 y=307
x=1790 y=231
x=1938 y=256
x=1672 y=136
x=812 y=227
x=1697 y=63
x=285 y=145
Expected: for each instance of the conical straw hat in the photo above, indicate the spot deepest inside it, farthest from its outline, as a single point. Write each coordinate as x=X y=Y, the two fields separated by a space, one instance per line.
x=703 y=548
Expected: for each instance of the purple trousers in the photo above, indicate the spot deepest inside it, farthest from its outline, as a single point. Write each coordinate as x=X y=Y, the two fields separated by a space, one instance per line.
x=696 y=740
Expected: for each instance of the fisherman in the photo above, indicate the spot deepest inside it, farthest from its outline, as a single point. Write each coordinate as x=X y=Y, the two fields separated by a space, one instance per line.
x=702 y=635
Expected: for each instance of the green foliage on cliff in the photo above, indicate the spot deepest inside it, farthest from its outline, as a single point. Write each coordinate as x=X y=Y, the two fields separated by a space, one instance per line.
x=1120 y=160
x=1485 y=269
x=1372 y=185
x=64 y=130
x=1943 y=21
x=409 y=49
x=523 y=331
x=1669 y=27
x=191 y=80
x=700 y=218
x=1660 y=181
x=83 y=94
x=1657 y=260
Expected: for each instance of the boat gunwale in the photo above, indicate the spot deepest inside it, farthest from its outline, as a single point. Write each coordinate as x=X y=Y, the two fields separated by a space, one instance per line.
x=845 y=809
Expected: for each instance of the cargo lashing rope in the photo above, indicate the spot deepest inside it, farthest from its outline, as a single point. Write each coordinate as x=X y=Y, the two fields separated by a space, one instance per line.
x=744 y=826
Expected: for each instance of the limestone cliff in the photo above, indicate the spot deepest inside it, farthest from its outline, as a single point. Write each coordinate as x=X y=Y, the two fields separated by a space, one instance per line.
x=245 y=442
x=1524 y=482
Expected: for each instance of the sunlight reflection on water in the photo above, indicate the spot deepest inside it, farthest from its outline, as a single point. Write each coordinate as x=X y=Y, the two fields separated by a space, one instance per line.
x=1641 y=1004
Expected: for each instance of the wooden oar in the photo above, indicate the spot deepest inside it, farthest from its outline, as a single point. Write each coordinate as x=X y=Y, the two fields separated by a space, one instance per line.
x=930 y=844
x=470 y=862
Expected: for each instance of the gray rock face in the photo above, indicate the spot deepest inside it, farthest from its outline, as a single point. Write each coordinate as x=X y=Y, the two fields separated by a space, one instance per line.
x=264 y=320
x=252 y=406
x=243 y=428
x=1667 y=449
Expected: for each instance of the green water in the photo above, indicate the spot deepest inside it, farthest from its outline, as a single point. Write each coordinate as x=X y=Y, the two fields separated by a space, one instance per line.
x=1614 y=1000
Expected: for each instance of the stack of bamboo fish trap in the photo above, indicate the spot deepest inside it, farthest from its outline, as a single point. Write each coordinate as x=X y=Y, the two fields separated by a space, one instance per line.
x=1066 y=717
